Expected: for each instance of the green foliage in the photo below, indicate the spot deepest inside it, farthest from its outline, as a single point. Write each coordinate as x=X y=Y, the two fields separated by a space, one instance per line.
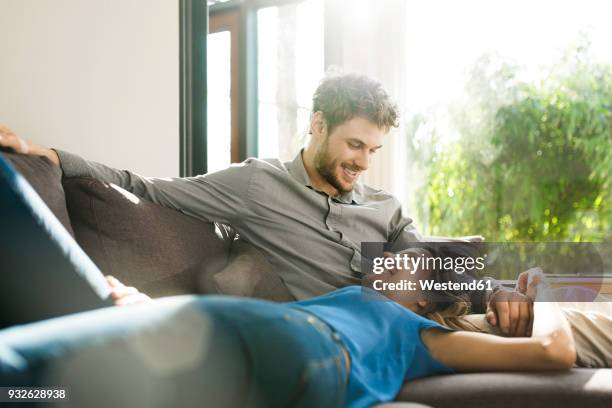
x=532 y=160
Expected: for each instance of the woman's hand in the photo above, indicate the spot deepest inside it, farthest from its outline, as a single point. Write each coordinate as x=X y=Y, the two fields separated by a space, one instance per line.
x=125 y=295
x=536 y=285
x=11 y=141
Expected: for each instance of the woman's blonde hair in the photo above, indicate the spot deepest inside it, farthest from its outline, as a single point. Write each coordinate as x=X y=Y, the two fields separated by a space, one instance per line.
x=445 y=307
x=452 y=316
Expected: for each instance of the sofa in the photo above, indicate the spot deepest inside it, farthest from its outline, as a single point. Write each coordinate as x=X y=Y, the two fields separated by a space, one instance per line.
x=163 y=252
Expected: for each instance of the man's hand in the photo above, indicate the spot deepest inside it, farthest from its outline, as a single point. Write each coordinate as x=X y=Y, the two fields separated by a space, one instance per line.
x=512 y=311
x=10 y=140
x=125 y=295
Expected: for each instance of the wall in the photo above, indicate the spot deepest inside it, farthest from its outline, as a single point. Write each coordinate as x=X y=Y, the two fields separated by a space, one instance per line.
x=96 y=77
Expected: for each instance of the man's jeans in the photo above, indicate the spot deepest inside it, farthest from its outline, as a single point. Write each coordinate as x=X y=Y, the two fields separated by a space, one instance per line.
x=183 y=351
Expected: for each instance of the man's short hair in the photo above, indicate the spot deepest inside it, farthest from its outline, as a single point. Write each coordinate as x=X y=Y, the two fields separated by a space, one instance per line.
x=342 y=97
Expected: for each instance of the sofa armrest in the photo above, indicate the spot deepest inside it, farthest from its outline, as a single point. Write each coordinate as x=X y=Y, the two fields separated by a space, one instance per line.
x=46 y=179
x=247 y=273
x=467 y=238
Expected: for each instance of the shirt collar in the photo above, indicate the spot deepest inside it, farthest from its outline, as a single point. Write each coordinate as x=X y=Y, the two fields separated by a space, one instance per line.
x=298 y=171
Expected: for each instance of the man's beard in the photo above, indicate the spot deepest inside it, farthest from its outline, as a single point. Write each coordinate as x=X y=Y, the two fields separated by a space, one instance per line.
x=327 y=168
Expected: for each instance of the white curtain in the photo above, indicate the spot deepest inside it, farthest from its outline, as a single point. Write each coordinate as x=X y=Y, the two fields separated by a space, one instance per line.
x=368 y=37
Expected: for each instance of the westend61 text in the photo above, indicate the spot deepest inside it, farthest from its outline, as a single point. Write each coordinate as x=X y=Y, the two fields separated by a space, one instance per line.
x=430 y=284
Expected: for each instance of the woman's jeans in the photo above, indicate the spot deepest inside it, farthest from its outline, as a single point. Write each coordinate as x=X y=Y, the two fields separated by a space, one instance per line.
x=205 y=351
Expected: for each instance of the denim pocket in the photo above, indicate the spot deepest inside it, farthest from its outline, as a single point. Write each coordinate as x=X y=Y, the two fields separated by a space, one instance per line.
x=322 y=382
x=296 y=362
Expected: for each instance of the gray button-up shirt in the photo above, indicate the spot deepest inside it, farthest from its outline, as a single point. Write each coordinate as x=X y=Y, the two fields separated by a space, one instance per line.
x=312 y=240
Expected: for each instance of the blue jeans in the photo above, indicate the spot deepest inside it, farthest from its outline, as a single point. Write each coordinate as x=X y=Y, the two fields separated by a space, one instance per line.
x=183 y=351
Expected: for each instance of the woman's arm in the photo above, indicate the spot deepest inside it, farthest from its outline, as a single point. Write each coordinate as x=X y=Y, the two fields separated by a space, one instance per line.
x=551 y=346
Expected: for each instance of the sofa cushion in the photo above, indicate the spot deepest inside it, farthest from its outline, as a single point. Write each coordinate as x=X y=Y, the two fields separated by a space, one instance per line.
x=247 y=273
x=46 y=179
x=158 y=250
x=580 y=387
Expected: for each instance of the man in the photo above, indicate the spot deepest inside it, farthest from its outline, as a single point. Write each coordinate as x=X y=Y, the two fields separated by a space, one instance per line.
x=308 y=216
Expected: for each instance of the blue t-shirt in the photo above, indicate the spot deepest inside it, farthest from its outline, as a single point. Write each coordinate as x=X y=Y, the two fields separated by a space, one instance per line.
x=382 y=338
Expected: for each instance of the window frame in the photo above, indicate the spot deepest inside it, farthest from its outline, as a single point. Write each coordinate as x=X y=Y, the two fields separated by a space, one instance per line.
x=195 y=17
x=193 y=29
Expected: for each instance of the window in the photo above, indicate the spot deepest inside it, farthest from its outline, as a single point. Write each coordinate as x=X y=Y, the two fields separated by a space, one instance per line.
x=223 y=89
x=506 y=121
x=219 y=106
x=290 y=65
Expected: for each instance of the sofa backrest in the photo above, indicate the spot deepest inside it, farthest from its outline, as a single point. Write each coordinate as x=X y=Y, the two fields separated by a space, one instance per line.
x=158 y=250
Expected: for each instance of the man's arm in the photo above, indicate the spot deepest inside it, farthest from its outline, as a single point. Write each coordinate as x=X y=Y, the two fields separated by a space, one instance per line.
x=219 y=196
x=9 y=140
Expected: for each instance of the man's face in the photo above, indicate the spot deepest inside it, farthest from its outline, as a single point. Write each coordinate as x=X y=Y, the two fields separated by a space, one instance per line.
x=347 y=151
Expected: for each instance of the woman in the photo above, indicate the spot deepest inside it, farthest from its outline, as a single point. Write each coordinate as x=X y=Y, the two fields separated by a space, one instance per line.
x=352 y=347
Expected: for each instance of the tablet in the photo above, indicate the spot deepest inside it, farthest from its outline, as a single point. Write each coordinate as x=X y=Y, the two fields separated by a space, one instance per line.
x=44 y=272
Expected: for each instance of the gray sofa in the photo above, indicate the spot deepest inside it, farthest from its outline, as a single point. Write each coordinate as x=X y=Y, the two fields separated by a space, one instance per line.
x=163 y=252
